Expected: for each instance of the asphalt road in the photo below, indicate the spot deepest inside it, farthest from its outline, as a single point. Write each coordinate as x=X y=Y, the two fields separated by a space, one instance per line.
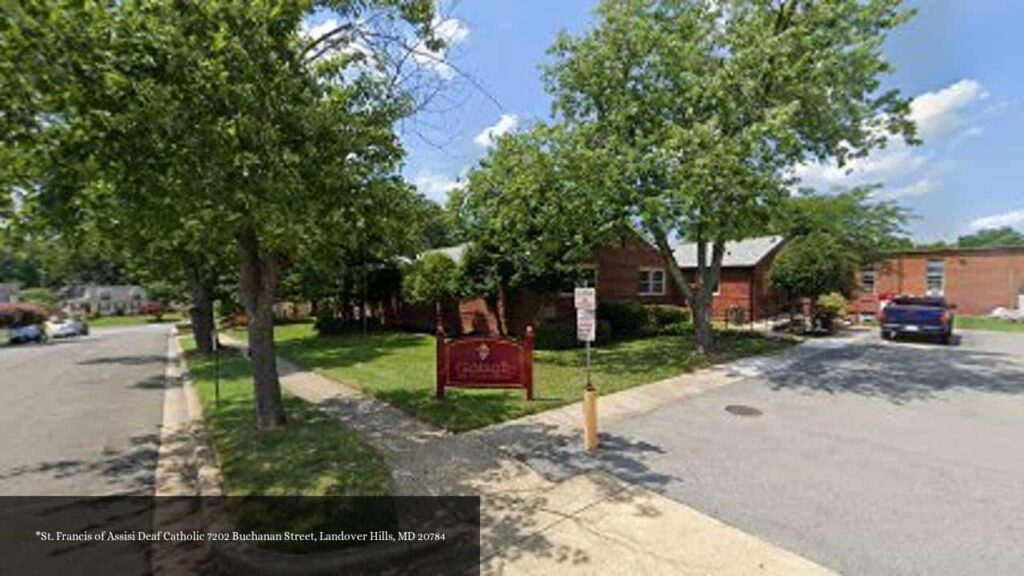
x=873 y=458
x=82 y=416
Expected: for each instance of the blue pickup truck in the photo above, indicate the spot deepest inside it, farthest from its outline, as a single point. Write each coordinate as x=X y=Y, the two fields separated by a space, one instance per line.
x=925 y=315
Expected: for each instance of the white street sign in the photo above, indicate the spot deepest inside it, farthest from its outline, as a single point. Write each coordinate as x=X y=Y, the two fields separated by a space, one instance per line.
x=586 y=325
x=586 y=298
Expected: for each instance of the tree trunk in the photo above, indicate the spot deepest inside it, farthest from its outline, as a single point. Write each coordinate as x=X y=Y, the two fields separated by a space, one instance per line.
x=201 y=312
x=699 y=297
x=703 y=335
x=259 y=275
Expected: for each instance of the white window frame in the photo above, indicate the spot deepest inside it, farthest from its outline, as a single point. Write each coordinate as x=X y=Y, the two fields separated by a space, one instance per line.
x=928 y=277
x=866 y=271
x=650 y=281
x=583 y=267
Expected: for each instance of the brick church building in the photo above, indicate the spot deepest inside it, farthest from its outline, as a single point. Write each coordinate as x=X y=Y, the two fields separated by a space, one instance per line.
x=976 y=280
x=626 y=267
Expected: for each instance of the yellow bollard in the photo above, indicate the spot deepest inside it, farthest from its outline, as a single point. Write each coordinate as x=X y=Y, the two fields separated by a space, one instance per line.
x=590 y=419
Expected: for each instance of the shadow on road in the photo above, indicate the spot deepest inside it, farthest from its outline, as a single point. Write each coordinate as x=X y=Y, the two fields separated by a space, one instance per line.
x=902 y=373
x=136 y=360
x=130 y=469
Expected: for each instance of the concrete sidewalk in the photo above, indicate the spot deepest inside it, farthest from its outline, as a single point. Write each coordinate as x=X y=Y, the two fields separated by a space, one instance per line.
x=590 y=523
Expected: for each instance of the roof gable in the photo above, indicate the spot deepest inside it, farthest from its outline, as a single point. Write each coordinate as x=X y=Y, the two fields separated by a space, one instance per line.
x=742 y=254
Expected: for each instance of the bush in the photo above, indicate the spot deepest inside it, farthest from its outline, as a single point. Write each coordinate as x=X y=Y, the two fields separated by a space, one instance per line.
x=833 y=305
x=627 y=319
x=554 y=336
x=15 y=315
x=562 y=335
x=829 y=308
x=667 y=316
x=42 y=296
x=336 y=326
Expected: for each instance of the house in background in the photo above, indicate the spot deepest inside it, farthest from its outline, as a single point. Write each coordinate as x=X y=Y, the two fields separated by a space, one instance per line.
x=623 y=268
x=743 y=285
x=9 y=292
x=91 y=299
x=976 y=280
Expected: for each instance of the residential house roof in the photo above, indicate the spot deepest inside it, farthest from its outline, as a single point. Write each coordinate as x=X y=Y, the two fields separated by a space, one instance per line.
x=741 y=254
x=113 y=292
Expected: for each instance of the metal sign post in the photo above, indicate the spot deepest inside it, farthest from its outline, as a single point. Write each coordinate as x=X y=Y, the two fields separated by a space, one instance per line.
x=586 y=330
x=216 y=367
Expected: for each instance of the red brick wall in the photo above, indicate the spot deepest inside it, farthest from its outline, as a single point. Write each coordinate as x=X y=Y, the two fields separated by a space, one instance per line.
x=618 y=262
x=976 y=280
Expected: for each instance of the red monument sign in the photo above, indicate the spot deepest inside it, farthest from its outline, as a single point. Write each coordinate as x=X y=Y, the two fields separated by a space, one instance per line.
x=479 y=362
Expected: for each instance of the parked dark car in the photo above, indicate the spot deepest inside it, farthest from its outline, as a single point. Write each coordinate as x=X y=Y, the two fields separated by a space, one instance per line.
x=925 y=315
x=29 y=333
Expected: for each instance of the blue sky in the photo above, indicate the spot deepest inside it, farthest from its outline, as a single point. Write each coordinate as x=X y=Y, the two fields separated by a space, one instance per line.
x=961 y=60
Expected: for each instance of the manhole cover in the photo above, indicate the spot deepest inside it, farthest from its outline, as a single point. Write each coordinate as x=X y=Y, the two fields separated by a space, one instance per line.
x=741 y=410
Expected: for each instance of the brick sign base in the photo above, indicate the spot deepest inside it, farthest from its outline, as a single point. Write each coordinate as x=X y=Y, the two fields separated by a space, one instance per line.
x=484 y=362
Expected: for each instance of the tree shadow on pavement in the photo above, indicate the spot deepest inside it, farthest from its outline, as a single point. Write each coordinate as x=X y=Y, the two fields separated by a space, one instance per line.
x=128 y=470
x=902 y=373
x=135 y=360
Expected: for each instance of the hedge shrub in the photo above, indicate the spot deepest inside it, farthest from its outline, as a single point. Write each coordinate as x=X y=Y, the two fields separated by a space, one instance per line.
x=337 y=326
x=17 y=314
x=562 y=335
x=627 y=319
x=667 y=315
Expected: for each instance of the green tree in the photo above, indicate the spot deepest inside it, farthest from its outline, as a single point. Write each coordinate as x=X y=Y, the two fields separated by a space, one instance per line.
x=528 y=213
x=991 y=238
x=863 y=228
x=830 y=237
x=813 y=265
x=434 y=279
x=161 y=295
x=220 y=119
x=704 y=107
x=42 y=296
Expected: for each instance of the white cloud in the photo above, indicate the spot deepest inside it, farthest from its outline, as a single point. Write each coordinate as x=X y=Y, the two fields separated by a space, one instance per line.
x=436 y=186
x=940 y=116
x=938 y=113
x=920 y=188
x=313 y=32
x=897 y=160
x=452 y=31
x=1014 y=219
x=507 y=123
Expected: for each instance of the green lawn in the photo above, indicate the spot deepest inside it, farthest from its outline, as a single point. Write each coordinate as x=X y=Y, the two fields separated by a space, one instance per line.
x=986 y=323
x=313 y=455
x=399 y=368
x=107 y=321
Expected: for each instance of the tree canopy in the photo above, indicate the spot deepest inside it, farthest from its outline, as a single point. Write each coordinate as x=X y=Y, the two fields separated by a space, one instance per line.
x=704 y=108
x=991 y=238
x=187 y=130
x=863 y=228
x=529 y=213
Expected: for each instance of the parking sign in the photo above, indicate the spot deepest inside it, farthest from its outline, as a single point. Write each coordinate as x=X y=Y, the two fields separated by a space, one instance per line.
x=586 y=325
x=586 y=298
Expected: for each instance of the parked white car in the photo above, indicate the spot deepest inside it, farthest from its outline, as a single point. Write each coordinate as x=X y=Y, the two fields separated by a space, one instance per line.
x=57 y=327
x=1007 y=314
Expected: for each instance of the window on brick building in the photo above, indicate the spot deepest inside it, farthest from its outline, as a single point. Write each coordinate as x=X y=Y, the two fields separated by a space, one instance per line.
x=867 y=279
x=935 y=277
x=652 y=281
